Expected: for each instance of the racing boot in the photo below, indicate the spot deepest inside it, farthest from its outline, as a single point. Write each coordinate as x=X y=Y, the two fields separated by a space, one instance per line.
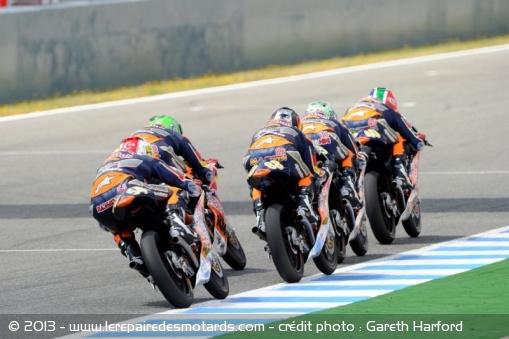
x=400 y=174
x=131 y=249
x=259 y=211
x=305 y=207
x=348 y=190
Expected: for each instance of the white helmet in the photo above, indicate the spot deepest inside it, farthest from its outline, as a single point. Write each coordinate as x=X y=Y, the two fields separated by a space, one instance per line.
x=136 y=145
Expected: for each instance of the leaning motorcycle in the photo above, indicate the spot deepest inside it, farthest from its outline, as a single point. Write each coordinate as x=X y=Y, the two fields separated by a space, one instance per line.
x=291 y=239
x=224 y=239
x=387 y=203
x=350 y=224
x=179 y=256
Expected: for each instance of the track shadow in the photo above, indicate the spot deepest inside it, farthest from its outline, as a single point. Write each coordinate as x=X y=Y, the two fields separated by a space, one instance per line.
x=424 y=239
x=164 y=304
x=45 y=211
x=465 y=205
x=230 y=272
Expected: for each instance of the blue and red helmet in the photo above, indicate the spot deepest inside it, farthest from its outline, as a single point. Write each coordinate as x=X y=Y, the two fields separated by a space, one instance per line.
x=287 y=115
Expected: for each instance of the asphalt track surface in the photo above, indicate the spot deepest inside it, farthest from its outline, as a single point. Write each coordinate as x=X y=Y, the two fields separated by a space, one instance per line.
x=55 y=260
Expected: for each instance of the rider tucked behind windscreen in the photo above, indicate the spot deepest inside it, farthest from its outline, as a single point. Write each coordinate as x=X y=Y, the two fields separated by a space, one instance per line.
x=130 y=167
x=281 y=148
x=334 y=142
x=165 y=132
x=379 y=111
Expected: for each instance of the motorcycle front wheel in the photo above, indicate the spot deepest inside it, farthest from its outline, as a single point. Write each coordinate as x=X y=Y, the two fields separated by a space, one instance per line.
x=327 y=260
x=412 y=225
x=234 y=256
x=217 y=285
x=287 y=257
x=360 y=243
x=172 y=282
x=341 y=237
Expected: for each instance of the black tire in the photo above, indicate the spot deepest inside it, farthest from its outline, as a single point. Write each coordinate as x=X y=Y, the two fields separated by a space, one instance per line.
x=327 y=260
x=217 y=285
x=287 y=258
x=341 y=238
x=234 y=256
x=173 y=284
x=341 y=241
x=412 y=225
x=360 y=244
x=382 y=225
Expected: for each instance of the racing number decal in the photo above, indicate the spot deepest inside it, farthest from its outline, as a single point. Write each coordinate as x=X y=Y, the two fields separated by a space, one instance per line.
x=371 y=133
x=320 y=150
x=274 y=164
x=136 y=190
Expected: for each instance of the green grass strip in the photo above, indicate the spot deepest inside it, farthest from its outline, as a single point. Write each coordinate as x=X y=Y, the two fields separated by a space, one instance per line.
x=473 y=304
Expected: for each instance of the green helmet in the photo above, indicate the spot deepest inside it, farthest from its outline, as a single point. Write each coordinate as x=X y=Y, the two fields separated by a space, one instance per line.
x=167 y=122
x=322 y=107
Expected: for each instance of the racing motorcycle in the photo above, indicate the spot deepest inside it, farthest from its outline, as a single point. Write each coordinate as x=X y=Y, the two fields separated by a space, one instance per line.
x=291 y=238
x=387 y=202
x=179 y=255
x=224 y=239
x=350 y=224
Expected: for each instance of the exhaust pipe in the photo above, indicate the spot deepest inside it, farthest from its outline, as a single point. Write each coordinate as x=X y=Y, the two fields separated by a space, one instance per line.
x=139 y=267
x=301 y=218
x=260 y=235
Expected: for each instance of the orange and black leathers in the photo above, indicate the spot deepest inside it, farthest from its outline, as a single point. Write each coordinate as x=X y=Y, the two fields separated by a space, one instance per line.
x=171 y=145
x=369 y=112
x=112 y=177
x=288 y=146
x=331 y=135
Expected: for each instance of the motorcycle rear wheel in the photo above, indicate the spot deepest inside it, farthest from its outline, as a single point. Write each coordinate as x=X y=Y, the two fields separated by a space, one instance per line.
x=382 y=225
x=287 y=258
x=173 y=283
x=234 y=256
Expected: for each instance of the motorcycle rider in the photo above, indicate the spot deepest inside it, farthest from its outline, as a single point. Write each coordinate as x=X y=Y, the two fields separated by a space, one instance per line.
x=335 y=142
x=165 y=132
x=281 y=140
x=381 y=107
x=133 y=160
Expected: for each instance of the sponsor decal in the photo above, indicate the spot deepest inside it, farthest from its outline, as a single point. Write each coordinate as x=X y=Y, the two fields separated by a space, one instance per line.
x=324 y=138
x=105 y=205
x=279 y=156
x=160 y=194
x=297 y=167
x=121 y=155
